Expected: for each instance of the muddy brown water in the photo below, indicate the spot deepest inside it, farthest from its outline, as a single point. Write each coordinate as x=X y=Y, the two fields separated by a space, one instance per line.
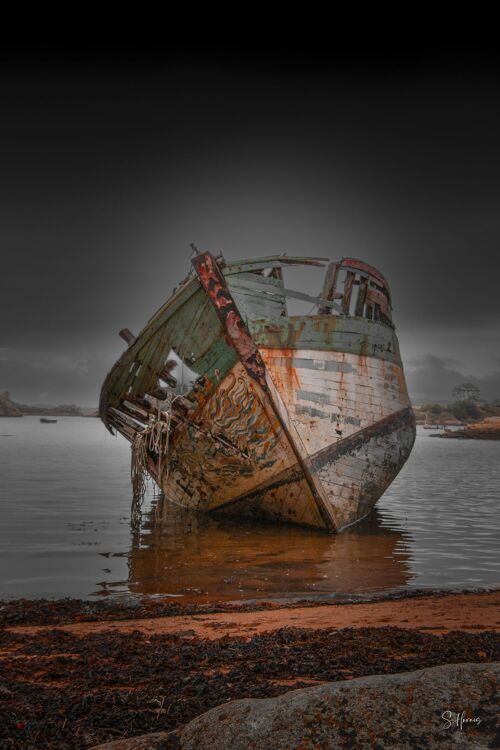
x=65 y=503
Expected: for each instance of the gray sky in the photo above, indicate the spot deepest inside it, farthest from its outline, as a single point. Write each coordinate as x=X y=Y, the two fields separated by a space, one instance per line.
x=109 y=171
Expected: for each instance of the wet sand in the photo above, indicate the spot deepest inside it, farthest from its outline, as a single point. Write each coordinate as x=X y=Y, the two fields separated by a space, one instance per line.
x=470 y=612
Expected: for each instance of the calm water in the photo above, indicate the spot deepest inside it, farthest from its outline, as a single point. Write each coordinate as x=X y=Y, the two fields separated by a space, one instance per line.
x=65 y=529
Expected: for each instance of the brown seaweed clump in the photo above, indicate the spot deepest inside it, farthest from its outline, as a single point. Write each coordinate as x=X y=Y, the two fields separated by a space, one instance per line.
x=60 y=689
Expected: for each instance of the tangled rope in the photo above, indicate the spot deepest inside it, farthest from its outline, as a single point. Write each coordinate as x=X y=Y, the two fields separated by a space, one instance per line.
x=154 y=438
x=138 y=476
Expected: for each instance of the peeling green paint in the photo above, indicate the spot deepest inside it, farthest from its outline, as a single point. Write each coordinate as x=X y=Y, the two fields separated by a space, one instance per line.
x=342 y=334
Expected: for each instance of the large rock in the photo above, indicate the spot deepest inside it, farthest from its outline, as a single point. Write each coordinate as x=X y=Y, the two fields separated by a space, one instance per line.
x=405 y=711
x=488 y=429
x=7 y=408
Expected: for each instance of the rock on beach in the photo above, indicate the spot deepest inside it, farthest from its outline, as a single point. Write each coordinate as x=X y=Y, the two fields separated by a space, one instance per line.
x=450 y=706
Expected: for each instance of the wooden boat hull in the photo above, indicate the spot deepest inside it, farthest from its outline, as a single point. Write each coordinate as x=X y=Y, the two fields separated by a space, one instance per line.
x=353 y=455
x=301 y=419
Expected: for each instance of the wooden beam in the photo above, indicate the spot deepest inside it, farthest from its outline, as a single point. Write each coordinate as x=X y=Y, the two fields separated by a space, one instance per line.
x=360 y=301
x=127 y=335
x=275 y=261
x=328 y=292
x=264 y=289
x=165 y=373
x=270 y=260
x=346 y=297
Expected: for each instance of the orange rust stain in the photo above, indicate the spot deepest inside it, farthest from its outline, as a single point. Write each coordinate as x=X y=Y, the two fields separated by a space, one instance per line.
x=342 y=387
x=361 y=360
x=286 y=375
x=398 y=372
x=362 y=366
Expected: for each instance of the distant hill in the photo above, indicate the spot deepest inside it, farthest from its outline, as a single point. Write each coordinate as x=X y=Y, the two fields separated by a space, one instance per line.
x=63 y=410
x=7 y=407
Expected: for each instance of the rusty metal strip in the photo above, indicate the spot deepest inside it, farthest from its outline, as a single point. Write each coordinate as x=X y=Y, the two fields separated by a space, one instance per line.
x=214 y=283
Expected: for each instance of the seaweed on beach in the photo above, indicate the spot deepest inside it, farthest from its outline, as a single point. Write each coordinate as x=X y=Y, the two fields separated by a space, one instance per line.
x=67 y=610
x=61 y=690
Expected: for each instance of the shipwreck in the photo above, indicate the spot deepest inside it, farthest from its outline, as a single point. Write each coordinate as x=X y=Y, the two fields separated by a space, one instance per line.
x=302 y=419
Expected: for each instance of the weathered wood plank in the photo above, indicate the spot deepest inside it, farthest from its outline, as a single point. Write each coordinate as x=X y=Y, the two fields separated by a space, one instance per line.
x=257 y=305
x=245 y=288
x=220 y=357
x=347 y=335
x=364 y=268
x=334 y=394
x=329 y=285
x=123 y=374
x=271 y=261
x=127 y=335
x=346 y=298
x=269 y=281
x=361 y=298
x=374 y=297
x=258 y=286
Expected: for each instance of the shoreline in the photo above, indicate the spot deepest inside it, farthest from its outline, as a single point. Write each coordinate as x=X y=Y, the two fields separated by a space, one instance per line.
x=62 y=611
x=111 y=676
x=433 y=612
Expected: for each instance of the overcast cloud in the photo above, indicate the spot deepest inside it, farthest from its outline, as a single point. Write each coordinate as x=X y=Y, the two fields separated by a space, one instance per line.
x=109 y=172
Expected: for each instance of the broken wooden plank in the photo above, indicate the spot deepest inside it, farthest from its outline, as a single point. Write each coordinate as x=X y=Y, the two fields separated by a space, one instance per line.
x=265 y=289
x=374 y=297
x=165 y=375
x=361 y=298
x=274 y=261
x=362 y=267
x=127 y=335
x=268 y=281
x=328 y=292
x=269 y=260
x=346 y=297
x=127 y=420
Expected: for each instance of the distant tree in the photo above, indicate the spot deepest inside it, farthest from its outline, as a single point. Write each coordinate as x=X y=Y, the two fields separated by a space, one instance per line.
x=466 y=392
x=465 y=410
x=435 y=409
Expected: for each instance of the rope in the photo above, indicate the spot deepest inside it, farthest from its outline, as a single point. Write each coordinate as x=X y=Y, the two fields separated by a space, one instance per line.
x=154 y=438
x=139 y=478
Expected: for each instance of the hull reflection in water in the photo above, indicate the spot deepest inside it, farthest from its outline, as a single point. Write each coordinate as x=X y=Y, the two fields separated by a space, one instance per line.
x=200 y=557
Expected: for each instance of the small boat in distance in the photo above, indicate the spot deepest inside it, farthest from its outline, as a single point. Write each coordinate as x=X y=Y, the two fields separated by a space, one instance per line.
x=47 y=420
x=302 y=419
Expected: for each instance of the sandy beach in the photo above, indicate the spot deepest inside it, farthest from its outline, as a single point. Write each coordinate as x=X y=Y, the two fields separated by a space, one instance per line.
x=470 y=612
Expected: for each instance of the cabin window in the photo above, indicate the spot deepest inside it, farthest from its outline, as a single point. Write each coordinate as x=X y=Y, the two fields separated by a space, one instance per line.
x=357 y=292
